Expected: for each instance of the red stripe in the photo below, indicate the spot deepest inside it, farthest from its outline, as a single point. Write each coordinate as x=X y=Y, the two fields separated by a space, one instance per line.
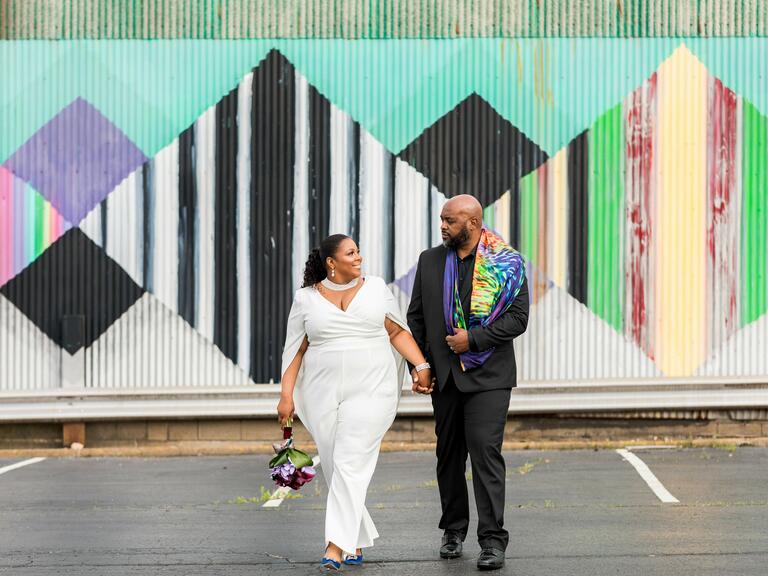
x=639 y=149
x=722 y=229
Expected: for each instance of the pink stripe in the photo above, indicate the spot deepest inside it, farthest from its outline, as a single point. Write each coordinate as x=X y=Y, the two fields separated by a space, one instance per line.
x=722 y=213
x=54 y=225
x=639 y=120
x=6 y=226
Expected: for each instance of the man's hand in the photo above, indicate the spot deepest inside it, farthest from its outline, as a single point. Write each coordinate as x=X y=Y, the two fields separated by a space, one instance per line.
x=422 y=381
x=459 y=342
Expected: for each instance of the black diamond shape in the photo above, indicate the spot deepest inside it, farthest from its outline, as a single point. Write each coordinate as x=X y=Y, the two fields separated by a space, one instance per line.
x=74 y=277
x=473 y=150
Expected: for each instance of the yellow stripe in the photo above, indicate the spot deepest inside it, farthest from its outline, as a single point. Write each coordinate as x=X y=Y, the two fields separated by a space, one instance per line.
x=681 y=246
x=557 y=188
x=502 y=217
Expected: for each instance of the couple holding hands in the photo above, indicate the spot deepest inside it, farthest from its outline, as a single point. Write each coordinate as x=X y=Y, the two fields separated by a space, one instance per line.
x=344 y=360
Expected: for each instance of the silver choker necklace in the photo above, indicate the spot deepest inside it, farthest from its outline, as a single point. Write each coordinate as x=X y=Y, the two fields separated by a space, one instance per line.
x=327 y=283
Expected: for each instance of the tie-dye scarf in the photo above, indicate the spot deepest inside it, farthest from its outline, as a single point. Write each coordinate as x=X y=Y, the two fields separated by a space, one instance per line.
x=497 y=278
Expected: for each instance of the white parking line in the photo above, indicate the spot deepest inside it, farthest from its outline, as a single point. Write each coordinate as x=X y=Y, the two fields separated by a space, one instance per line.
x=279 y=495
x=5 y=469
x=649 y=477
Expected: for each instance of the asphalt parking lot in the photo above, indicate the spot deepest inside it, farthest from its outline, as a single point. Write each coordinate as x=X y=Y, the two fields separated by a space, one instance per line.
x=569 y=512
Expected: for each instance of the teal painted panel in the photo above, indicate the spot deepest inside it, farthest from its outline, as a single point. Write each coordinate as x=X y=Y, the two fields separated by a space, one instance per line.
x=551 y=89
x=151 y=90
x=740 y=63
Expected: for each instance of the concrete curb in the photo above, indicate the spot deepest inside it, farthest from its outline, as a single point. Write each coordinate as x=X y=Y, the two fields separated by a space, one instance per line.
x=165 y=449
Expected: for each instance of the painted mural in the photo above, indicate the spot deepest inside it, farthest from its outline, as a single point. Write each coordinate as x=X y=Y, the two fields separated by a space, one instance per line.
x=180 y=205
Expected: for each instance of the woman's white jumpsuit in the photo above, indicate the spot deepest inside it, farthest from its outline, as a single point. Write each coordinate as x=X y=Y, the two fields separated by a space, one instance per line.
x=346 y=395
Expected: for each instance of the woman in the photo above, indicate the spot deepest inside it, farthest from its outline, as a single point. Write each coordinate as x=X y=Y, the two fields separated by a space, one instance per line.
x=340 y=369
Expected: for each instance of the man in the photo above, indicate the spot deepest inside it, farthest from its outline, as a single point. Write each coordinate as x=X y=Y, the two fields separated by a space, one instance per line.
x=469 y=301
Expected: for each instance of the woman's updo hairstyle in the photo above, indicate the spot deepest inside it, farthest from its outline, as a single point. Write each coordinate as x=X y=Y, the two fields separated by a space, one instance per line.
x=314 y=270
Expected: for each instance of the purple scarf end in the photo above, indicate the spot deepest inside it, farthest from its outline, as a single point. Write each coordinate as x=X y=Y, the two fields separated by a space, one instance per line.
x=470 y=360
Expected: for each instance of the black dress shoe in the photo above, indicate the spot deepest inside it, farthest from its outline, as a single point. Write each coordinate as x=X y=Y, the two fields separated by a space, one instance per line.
x=490 y=559
x=451 y=547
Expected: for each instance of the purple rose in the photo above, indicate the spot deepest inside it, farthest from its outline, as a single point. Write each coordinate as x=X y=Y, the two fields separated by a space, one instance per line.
x=283 y=474
x=302 y=476
x=308 y=472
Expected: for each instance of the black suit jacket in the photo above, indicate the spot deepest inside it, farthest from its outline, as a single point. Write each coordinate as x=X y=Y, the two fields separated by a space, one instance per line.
x=426 y=321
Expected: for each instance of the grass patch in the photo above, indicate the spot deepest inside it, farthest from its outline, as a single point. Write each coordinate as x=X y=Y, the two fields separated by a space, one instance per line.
x=527 y=467
x=263 y=497
x=532 y=504
x=724 y=504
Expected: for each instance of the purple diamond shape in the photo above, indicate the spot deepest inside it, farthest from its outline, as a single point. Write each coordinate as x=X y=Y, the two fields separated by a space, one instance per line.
x=405 y=282
x=76 y=159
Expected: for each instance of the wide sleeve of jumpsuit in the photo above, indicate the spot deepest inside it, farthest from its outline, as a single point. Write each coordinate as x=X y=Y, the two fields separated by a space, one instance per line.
x=393 y=312
x=294 y=337
x=295 y=333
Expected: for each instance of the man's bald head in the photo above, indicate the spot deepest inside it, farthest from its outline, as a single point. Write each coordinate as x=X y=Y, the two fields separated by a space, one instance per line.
x=461 y=221
x=467 y=205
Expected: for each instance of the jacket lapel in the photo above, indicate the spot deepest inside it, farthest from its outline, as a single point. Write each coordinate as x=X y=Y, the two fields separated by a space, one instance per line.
x=440 y=277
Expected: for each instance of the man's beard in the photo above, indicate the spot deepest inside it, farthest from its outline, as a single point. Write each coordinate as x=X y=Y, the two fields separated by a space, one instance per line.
x=458 y=240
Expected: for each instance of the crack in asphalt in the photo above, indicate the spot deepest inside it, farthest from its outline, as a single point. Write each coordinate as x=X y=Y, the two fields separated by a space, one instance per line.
x=391 y=561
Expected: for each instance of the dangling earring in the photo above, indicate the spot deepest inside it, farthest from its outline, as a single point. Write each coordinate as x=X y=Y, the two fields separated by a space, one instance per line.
x=333 y=272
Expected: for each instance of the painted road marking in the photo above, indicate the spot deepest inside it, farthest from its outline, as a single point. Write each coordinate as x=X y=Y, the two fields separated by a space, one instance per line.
x=279 y=495
x=18 y=465
x=649 y=477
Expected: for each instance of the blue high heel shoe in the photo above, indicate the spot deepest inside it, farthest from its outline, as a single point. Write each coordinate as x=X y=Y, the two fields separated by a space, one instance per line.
x=330 y=564
x=354 y=559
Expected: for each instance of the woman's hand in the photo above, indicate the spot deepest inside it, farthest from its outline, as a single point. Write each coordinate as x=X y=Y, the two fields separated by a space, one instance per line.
x=285 y=409
x=422 y=381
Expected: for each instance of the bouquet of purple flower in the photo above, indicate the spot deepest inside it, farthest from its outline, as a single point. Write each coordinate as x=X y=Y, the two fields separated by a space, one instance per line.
x=290 y=467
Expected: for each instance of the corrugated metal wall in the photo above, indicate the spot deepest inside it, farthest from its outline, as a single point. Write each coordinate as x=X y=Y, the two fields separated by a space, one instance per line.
x=158 y=198
x=217 y=19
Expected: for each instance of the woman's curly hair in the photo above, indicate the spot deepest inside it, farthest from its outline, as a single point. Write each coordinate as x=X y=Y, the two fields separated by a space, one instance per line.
x=314 y=269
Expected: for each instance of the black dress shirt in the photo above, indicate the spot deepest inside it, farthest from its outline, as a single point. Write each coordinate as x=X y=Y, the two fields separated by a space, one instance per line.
x=466 y=269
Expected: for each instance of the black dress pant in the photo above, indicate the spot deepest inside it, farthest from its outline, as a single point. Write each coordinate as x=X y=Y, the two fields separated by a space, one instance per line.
x=471 y=423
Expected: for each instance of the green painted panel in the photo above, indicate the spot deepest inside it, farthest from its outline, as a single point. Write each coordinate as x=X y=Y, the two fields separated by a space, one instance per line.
x=30 y=208
x=606 y=214
x=754 y=223
x=36 y=228
x=489 y=217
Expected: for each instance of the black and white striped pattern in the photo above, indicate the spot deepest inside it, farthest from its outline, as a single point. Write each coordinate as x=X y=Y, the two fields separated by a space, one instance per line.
x=219 y=224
